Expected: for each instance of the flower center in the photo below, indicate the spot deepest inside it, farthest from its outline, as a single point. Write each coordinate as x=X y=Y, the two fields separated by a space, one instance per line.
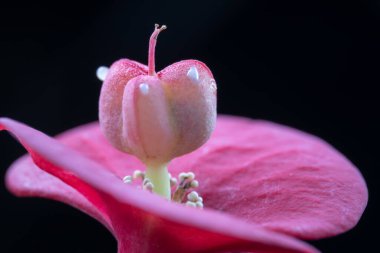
x=182 y=188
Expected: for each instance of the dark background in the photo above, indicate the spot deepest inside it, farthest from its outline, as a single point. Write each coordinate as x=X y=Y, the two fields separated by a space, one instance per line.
x=309 y=64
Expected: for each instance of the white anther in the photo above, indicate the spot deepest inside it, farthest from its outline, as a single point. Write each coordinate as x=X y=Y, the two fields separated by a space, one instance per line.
x=148 y=186
x=102 y=72
x=192 y=204
x=190 y=175
x=193 y=196
x=173 y=181
x=194 y=184
x=146 y=181
x=144 y=88
x=127 y=179
x=193 y=74
x=182 y=176
x=138 y=174
x=199 y=204
x=200 y=199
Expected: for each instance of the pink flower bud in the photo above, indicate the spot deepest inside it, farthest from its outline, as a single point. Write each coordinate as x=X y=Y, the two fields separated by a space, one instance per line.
x=157 y=117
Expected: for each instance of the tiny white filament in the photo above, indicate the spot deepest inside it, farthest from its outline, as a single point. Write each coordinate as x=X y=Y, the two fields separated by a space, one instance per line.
x=144 y=88
x=102 y=72
x=193 y=74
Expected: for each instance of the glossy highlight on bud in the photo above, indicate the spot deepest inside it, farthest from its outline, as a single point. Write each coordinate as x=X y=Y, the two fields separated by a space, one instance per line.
x=157 y=116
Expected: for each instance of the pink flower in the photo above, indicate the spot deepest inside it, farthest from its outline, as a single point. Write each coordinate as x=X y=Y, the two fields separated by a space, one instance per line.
x=262 y=185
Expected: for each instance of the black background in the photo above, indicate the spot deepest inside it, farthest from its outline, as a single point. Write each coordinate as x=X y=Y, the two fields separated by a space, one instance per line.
x=312 y=65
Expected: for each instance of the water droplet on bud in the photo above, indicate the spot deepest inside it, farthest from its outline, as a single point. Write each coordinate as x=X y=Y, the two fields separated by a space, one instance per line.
x=193 y=74
x=213 y=85
x=102 y=72
x=144 y=88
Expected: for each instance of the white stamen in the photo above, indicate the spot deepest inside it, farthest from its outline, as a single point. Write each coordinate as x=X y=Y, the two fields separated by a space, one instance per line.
x=127 y=179
x=146 y=181
x=173 y=181
x=193 y=74
x=199 y=204
x=182 y=176
x=192 y=204
x=194 y=184
x=148 y=186
x=138 y=174
x=190 y=175
x=102 y=72
x=193 y=196
x=144 y=88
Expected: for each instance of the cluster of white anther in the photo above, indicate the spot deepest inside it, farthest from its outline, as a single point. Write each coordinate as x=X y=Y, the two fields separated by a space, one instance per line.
x=139 y=175
x=188 y=179
x=181 y=194
x=181 y=187
x=194 y=200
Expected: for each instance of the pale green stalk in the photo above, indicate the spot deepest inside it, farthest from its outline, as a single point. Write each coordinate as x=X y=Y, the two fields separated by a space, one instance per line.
x=159 y=176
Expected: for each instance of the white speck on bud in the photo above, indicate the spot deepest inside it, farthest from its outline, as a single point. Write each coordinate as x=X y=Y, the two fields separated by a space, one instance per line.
x=213 y=85
x=144 y=88
x=193 y=74
x=102 y=72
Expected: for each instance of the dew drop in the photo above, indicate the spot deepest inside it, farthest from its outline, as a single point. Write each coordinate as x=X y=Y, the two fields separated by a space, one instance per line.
x=193 y=74
x=144 y=88
x=213 y=85
x=102 y=72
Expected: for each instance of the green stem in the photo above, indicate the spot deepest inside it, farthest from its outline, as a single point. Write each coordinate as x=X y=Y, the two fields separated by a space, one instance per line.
x=159 y=176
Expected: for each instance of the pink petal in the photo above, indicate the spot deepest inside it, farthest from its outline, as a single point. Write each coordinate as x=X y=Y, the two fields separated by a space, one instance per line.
x=281 y=178
x=272 y=175
x=24 y=178
x=142 y=222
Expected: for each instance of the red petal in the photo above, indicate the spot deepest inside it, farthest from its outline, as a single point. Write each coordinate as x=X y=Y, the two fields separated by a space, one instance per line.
x=281 y=178
x=272 y=175
x=142 y=221
x=24 y=178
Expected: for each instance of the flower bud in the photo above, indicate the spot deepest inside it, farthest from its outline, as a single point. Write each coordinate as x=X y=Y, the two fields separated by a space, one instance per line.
x=157 y=118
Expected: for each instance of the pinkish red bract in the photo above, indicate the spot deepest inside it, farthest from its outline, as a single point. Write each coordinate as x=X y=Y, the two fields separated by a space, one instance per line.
x=256 y=177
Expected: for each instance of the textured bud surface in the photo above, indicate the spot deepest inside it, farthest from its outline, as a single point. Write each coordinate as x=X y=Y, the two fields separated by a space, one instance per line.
x=158 y=116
